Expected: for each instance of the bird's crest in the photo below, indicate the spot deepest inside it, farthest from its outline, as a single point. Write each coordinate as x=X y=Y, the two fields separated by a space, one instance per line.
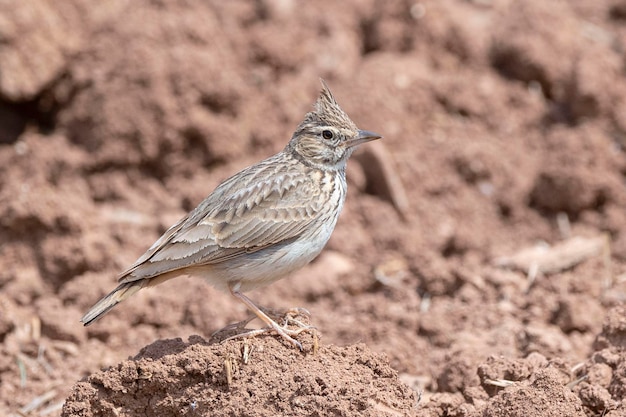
x=327 y=109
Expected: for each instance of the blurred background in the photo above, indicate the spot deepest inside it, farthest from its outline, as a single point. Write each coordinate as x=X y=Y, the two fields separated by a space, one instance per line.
x=490 y=220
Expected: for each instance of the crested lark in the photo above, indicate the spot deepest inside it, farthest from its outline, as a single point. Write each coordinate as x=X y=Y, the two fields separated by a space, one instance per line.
x=262 y=223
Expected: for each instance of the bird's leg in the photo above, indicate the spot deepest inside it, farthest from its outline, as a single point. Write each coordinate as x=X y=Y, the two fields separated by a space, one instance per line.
x=283 y=331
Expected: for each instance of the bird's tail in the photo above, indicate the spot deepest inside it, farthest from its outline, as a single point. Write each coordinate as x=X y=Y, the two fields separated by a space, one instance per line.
x=122 y=292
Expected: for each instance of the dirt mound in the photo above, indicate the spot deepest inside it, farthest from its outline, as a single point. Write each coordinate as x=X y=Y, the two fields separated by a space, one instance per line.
x=260 y=377
x=264 y=377
x=483 y=240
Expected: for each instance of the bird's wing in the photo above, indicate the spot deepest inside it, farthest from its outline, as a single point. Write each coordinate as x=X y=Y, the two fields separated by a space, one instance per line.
x=261 y=206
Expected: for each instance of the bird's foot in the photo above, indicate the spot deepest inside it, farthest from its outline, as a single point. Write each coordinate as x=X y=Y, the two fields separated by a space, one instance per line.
x=292 y=326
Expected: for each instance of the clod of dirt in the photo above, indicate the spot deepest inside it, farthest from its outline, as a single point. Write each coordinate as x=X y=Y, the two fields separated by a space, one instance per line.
x=544 y=395
x=255 y=377
x=382 y=177
x=36 y=38
x=613 y=330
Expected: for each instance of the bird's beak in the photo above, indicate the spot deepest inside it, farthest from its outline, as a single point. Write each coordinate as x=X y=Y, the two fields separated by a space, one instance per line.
x=363 y=136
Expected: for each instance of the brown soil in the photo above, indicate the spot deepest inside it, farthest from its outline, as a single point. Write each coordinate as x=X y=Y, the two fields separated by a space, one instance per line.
x=478 y=268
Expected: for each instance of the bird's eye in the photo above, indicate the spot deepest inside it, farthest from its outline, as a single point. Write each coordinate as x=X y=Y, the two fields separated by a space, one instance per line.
x=327 y=134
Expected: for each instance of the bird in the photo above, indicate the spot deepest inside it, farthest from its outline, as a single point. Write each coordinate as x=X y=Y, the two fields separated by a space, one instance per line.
x=261 y=224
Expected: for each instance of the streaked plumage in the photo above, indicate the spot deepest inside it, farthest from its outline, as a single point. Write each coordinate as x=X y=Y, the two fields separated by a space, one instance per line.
x=259 y=225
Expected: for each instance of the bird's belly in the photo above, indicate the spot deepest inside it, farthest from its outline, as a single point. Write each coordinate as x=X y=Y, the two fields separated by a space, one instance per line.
x=261 y=268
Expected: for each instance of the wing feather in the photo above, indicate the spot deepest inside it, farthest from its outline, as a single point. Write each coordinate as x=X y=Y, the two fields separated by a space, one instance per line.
x=263 y=205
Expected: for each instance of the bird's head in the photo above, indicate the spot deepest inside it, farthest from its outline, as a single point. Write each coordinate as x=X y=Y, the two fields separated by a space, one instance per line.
x=327 y=137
